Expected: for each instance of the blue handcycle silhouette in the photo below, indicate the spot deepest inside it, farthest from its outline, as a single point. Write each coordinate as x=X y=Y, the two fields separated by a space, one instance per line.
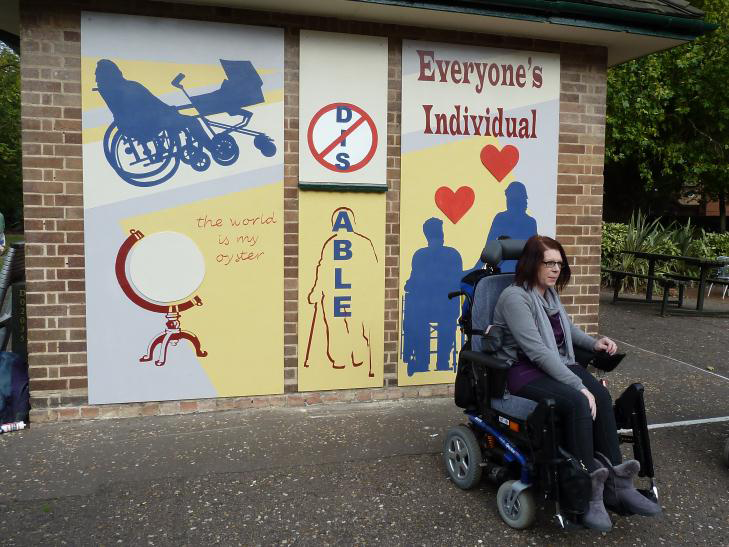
x=148 y=138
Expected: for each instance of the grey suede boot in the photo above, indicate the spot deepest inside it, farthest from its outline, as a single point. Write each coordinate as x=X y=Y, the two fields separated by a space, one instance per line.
x=597 y=517
x=620 y=494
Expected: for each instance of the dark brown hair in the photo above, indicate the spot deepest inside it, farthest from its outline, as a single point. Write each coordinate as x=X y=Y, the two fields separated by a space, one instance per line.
x=532 y=258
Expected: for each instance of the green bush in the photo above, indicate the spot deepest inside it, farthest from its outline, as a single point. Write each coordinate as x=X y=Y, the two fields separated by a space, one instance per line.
x=717 y=244
x=613 y=240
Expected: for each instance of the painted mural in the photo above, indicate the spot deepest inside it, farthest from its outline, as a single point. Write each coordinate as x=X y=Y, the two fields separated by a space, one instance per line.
x=341 y=290
x=479 y=162
x=183 y=220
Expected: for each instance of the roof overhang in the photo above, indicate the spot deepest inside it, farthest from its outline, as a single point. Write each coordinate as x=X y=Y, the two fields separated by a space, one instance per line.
x=624 y=33
x=10 y=24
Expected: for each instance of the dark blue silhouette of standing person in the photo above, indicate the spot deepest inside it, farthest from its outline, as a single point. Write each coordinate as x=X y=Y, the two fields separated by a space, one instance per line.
x=436 y=271
x=513 y=223
x=138 y=112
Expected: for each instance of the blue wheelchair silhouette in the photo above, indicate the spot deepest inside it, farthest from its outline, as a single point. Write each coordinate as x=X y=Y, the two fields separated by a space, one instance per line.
x=427 y=313
x=148 y=138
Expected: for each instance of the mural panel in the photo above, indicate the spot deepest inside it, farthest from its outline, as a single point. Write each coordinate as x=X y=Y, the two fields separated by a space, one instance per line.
x=341 y=290
x=479 y=161
x=342 y=111
x=183 y=220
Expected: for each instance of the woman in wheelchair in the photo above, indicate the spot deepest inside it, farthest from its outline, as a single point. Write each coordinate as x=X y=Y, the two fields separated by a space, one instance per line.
x=538 y=339
x=539 y=424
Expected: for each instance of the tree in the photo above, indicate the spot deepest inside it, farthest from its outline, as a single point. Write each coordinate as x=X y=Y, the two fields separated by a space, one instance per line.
x=11 y=181
x=668 y=116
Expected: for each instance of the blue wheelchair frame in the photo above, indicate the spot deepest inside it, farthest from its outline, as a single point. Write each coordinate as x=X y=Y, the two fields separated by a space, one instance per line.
x=512 y=454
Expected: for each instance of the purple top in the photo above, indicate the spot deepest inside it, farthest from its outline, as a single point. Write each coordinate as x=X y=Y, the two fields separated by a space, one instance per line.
x=524 y=371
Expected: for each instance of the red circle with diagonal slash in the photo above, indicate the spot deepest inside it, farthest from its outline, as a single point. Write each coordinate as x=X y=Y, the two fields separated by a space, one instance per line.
x=319 y=156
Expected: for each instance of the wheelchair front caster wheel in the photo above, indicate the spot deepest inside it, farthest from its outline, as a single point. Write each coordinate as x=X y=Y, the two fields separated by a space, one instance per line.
x=200 y=161
x=265 y=145
x=522 y=513
x=462 y=457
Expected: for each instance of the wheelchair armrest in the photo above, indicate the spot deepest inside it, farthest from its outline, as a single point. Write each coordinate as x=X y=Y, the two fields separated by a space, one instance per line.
x=480 y=358
x=454 y=294
x=601 y=360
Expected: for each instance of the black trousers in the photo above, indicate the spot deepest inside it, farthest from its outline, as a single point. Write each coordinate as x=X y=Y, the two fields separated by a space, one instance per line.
x=582 y=436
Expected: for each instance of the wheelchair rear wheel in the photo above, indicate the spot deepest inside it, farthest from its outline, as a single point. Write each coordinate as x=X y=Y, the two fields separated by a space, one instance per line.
x=462 y=457
x=139 y=163
x=524 y=511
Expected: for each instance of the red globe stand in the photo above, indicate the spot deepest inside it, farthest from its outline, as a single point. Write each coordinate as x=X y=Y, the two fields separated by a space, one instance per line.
x=172 y=333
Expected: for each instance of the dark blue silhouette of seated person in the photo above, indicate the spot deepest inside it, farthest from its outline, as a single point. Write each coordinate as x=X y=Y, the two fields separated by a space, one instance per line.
x=436 y=271
x=138 y=113
x=514 y=223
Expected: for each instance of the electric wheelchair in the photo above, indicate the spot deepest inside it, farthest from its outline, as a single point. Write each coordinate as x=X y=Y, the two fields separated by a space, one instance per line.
x=515 y=441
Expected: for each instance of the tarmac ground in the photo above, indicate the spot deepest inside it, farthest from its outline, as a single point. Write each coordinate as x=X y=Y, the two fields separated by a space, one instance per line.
x=367 y=473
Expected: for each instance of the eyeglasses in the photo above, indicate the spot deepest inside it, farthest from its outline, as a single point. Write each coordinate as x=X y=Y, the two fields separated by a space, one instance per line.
x=551 y=264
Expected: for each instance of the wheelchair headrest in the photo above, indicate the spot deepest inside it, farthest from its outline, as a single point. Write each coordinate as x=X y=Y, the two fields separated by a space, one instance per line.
x=502 y=249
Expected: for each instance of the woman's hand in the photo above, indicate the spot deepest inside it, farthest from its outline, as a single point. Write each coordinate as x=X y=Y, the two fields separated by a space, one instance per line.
x=590 y=400
x=605 y=344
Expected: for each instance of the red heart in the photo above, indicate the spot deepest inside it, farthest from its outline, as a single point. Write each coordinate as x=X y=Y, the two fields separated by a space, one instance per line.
x=499 y=162
x=454 y=205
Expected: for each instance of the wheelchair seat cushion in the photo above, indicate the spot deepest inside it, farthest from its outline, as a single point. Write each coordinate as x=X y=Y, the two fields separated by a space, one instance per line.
x=511 y=405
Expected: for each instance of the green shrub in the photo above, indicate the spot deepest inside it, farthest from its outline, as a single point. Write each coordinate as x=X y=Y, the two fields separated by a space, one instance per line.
x=613 y=241
x=716 y=244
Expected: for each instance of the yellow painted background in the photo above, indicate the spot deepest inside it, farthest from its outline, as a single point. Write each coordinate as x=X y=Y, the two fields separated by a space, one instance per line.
x=315 y=213
x=453 y=165
x=240 y=322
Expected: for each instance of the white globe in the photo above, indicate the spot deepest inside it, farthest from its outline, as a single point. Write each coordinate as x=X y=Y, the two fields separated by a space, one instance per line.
x=165 y=267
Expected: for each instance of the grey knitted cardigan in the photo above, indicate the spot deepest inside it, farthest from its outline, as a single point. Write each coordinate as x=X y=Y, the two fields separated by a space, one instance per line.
x=516 y=314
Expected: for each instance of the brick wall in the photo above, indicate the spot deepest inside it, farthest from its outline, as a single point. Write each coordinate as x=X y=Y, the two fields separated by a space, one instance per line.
x=52 y=175
x=580 y=176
